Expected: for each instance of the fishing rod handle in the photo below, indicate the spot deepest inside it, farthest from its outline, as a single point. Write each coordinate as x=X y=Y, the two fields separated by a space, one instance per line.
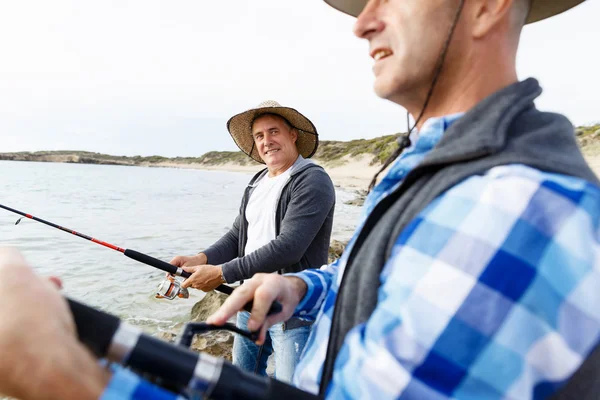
x=172 y=269
x=156 y=263
x=108 y=338
x=178 y=367
x=95 y=329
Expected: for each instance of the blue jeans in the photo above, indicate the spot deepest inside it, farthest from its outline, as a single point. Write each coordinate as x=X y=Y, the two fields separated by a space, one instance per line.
x=287 y=346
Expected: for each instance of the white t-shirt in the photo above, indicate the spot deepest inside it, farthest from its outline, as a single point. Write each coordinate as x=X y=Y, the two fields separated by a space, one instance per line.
x=261 y=210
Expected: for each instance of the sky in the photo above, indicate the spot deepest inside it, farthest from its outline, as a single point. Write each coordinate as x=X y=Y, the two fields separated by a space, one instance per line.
x=158 y=77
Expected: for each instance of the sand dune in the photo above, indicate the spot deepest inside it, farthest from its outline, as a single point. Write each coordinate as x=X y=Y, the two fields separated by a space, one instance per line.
x=350 y=172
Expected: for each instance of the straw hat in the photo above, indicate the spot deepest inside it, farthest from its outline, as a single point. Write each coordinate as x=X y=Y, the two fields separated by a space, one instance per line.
x=240 y=128
x=540 y=9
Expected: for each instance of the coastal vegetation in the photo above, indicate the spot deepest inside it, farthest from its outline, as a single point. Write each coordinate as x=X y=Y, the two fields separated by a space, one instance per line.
x=330 y=153
x=588 y=138
x=380 y=148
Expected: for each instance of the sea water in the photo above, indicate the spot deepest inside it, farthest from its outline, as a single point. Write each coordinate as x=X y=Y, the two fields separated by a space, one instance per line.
x=161 y=212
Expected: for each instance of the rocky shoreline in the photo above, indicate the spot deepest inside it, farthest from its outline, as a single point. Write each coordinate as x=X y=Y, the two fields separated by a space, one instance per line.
x=216 y=343
x=219 y=343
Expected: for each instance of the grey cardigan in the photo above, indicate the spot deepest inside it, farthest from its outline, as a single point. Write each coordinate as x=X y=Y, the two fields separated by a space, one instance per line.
x=504 y=128
x=304 y=221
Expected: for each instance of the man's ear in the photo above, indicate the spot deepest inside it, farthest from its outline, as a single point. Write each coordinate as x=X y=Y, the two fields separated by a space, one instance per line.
x=294 y=133
x=486 y=15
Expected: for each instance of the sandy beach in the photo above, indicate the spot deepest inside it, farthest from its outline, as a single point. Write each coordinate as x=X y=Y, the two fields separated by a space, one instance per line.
x=594 y=163
x=352 y=173
x=355 y=173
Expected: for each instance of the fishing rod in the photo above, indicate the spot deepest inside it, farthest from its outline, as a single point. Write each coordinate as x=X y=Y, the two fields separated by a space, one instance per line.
x=174 y=366
x=170 y=288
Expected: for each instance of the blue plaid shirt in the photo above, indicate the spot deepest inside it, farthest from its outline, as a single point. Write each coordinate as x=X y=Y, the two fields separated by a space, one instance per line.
x=126 y=385
x=492 y=292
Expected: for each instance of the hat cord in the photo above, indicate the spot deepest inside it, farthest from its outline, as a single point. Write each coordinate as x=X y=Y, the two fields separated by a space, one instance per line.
x=404 y=140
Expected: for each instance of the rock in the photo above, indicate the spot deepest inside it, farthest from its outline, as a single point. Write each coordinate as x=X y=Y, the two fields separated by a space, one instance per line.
x=579 y=132
x=167 y=336
x=336 y=248
x=359 y=200
x=596 y=134
x=583 y=141
x=215 y=343
x=207 y=306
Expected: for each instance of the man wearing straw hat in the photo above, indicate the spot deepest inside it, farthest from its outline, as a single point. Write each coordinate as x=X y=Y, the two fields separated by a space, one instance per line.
x=474 y=273
x=284 y=225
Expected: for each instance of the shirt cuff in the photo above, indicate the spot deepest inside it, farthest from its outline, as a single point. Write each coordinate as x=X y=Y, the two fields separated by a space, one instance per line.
x=126 y=385
x=314 y=290
x=228 y=273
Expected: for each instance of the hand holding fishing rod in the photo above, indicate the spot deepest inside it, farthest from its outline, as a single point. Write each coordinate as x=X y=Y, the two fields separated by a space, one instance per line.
x=41 y=356
x=65 y=370
x=193 y=374
x=170 y=288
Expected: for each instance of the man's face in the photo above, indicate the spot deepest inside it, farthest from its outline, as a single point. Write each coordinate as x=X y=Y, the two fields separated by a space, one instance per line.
x=275 y=142
x=405 y=40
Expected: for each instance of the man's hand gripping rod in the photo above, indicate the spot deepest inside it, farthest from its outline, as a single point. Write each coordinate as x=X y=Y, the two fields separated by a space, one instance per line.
x=176 y=367
x=170 y=287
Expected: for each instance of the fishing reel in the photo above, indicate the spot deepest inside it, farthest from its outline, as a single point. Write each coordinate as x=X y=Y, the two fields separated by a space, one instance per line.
x=171 y=288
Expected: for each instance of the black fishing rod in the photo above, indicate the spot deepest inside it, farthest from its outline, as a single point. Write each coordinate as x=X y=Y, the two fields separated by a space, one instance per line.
x=170 y=288
x=175 y=367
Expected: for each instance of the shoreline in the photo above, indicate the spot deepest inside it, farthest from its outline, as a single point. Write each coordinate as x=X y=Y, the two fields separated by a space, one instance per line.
x=351 y=173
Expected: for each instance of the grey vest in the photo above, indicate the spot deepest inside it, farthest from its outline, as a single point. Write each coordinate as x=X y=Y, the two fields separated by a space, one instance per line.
x=505 y=128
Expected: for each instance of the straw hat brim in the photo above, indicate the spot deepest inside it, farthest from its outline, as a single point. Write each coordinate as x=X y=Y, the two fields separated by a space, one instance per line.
x=540 y=9
x=240 y=128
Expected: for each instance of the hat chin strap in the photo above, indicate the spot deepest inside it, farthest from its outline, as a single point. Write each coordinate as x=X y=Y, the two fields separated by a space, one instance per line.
x=440 y=62
x=404 y=140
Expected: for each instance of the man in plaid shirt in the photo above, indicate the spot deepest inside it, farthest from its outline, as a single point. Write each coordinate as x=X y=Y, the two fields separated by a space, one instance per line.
x=474 y=272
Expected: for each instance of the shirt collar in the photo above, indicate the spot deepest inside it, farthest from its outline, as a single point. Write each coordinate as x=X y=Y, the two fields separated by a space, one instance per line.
x=433 y=129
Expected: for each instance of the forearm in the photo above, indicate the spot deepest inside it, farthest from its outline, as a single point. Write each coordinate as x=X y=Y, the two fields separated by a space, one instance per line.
x=298 y=287
x=223 y=250
x=202 y=258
